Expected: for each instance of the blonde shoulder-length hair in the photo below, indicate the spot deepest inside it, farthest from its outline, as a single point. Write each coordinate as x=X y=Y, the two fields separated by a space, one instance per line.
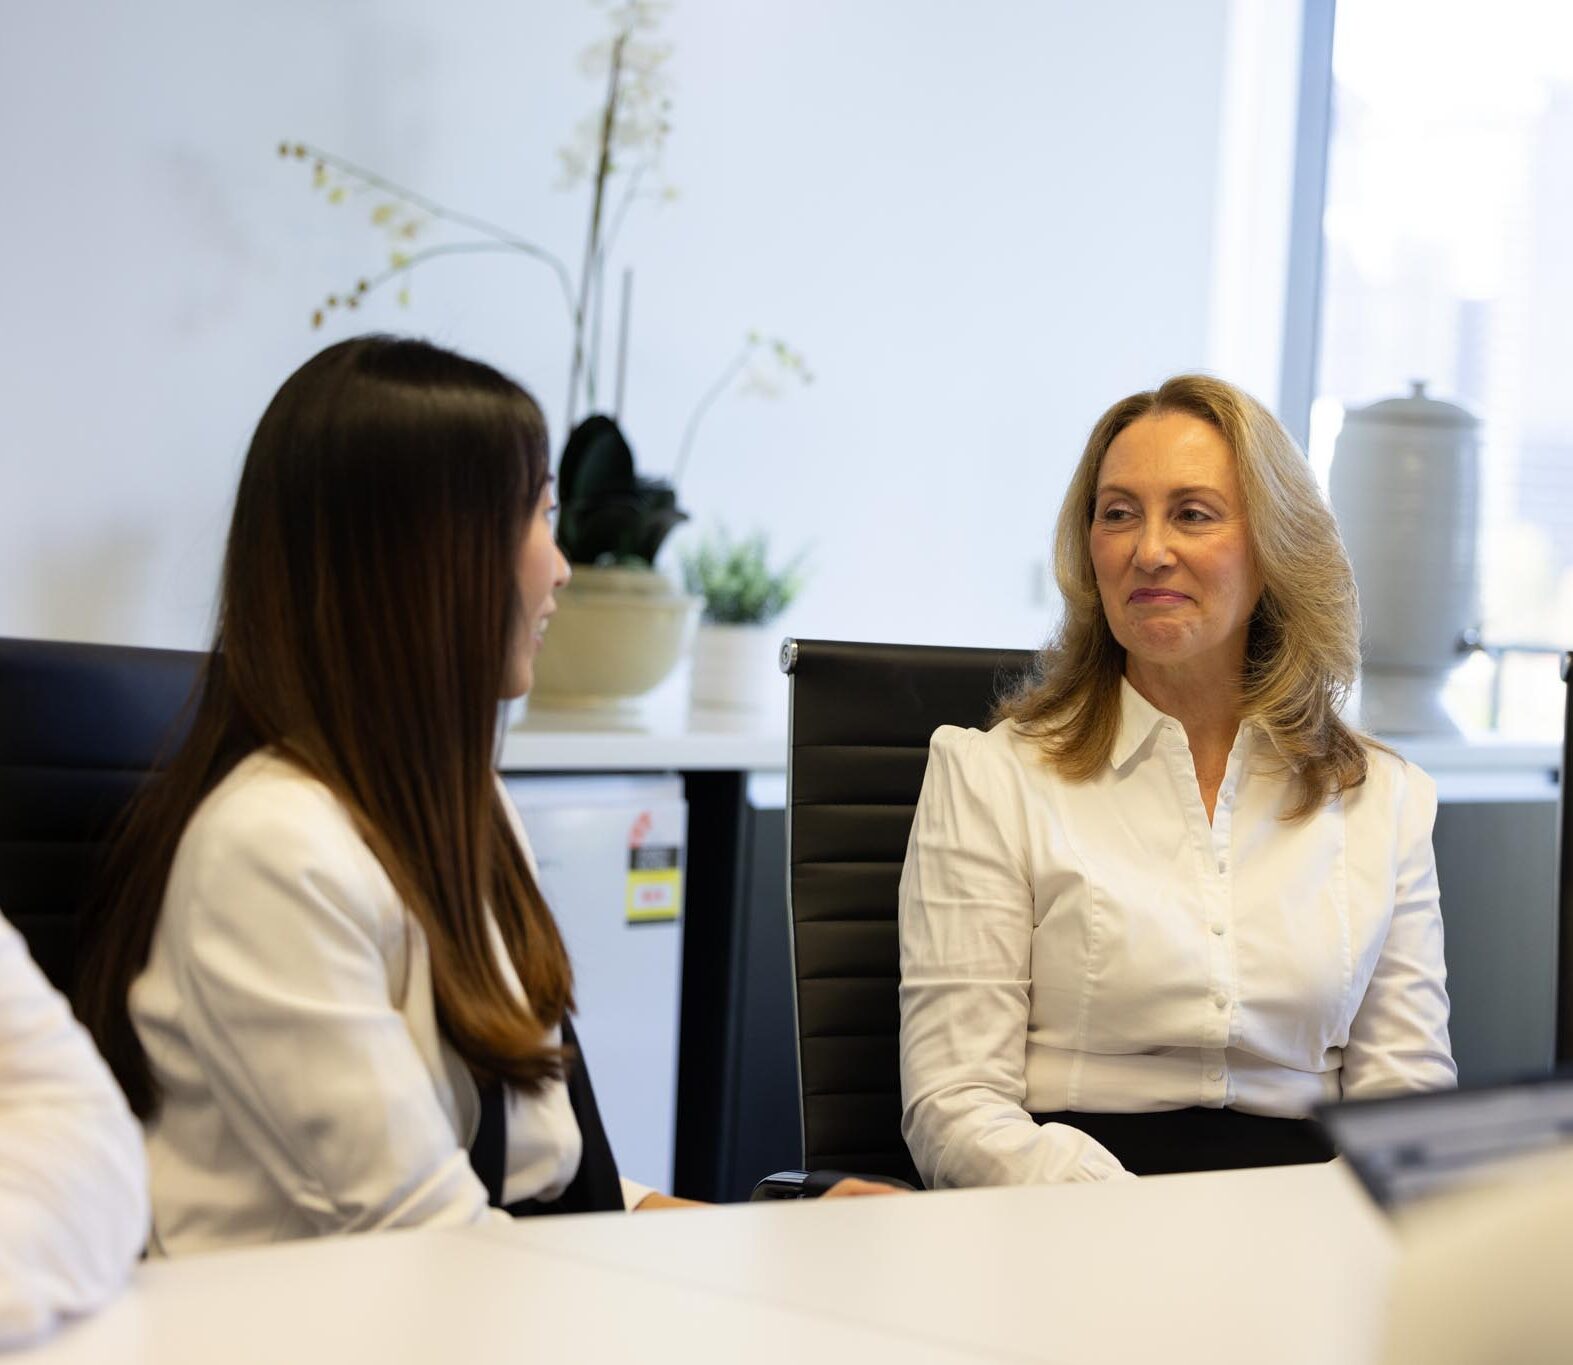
x=1304 y=644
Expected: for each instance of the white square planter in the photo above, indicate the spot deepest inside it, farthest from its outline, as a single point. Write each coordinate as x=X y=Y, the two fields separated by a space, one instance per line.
x=737 y=668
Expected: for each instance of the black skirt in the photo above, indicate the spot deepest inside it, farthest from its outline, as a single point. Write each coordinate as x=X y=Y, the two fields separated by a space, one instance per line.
x=1175 y=1140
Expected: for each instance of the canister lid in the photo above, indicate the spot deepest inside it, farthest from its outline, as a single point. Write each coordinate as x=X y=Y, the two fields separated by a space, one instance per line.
x=1417 y=408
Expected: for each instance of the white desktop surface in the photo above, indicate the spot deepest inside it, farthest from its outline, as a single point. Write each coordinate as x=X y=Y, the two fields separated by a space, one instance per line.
x=662 y=736
x=1288 y=1265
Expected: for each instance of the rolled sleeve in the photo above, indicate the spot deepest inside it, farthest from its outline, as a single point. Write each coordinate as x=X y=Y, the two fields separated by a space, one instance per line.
x=966 y=922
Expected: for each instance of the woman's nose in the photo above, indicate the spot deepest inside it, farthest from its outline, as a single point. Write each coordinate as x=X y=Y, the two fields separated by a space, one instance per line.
x=1152 y=546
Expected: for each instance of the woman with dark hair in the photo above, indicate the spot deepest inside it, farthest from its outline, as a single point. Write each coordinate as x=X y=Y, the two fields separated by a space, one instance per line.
x=323 y=971
x=1171 y=900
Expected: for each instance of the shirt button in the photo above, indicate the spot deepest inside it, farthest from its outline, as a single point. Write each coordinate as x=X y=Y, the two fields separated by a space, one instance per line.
x=1220 y=1000
x=1223 y=864
x=1218 y=929
x=1216 y=1074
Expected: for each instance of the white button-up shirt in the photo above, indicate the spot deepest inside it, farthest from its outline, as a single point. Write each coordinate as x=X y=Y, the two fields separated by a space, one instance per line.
x=73 y=1177
x=1102 y=947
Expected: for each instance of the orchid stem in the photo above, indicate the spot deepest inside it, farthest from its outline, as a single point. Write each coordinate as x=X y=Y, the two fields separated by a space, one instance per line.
x=705 y=404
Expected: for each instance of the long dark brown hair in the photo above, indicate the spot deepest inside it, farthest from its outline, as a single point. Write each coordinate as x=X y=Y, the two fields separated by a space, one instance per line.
x=368 y=605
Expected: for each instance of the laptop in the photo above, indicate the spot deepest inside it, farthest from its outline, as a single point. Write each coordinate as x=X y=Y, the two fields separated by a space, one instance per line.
x=1404 y=1147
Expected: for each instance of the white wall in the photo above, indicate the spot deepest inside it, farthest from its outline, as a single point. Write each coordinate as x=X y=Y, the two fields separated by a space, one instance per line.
x=981 y=223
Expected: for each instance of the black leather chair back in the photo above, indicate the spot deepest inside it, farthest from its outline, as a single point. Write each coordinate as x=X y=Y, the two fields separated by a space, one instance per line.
x=81 y=726
x=861 y=716
x=1565 y=882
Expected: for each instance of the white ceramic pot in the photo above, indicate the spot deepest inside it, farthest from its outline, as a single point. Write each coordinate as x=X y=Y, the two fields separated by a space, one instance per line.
x=1405 y=490
x=617 y=633
x=738 y=668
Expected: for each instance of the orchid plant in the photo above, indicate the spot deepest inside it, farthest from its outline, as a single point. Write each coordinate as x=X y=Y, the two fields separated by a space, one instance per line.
x=608 y=512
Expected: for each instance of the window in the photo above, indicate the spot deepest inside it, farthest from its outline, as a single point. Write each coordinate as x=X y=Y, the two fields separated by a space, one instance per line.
x=1448 y=257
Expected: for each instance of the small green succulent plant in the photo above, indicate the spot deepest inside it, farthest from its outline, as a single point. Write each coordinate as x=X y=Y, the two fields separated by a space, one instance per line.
x=736 y=581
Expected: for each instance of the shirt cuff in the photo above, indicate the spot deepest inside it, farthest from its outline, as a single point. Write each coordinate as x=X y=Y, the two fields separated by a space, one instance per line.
x=1079 y=1157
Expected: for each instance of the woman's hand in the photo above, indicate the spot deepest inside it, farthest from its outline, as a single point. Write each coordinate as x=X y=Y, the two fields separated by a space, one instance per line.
x=656 y=1200
x=849 y=1188
x=853 y=1188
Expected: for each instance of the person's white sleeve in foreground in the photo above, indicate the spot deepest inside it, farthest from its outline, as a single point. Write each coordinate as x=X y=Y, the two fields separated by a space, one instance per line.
x=73 y=1176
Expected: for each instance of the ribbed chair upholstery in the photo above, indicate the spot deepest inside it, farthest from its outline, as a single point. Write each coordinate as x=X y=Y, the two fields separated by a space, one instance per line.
x=81 y=726
x=861 y=716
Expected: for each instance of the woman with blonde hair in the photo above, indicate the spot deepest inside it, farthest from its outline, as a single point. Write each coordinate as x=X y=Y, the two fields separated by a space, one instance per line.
x=1171 y=900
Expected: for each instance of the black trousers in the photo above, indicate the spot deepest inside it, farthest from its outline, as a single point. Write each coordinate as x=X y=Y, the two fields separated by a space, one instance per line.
x=1175 y=1140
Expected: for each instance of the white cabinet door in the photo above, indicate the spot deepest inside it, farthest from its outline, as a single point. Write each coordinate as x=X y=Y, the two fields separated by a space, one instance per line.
x=611 y=853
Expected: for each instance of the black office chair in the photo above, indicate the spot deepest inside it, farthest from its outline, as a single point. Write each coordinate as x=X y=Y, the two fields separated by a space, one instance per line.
x=860 y=717
x=81 y=726
x=1564 y=1054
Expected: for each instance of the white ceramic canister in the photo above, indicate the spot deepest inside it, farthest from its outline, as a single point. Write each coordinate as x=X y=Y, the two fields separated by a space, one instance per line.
x=1405 y=488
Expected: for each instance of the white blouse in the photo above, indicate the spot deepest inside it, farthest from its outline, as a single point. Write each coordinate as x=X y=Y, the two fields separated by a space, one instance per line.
x=288 y=1014
x=73 y=1176
x=1100 y=946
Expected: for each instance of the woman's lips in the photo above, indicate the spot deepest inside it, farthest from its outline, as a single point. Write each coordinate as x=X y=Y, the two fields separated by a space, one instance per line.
x=1153 y=596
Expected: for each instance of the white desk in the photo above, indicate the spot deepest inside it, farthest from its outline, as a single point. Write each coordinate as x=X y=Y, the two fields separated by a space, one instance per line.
x=1288 y=1266
x=664 y=735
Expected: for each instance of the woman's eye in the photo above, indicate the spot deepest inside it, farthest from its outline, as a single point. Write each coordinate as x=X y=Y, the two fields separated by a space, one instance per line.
x=1115 y=514
x=1195 y=514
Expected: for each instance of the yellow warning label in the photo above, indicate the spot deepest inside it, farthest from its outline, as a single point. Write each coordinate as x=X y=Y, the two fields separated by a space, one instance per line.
x=655 y=885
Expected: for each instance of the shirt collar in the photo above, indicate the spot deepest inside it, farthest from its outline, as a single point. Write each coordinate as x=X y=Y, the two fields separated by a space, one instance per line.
x=1138 y=719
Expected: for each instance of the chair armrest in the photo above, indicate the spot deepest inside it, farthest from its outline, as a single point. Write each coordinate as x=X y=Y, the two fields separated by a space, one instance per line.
x=812 y=1184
